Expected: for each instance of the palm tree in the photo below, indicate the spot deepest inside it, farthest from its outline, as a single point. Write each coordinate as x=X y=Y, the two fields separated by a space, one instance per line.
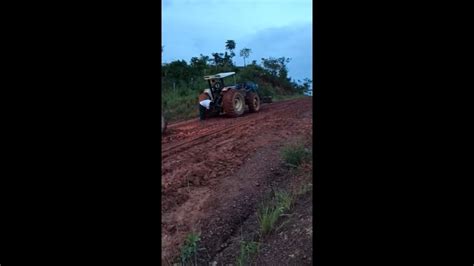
x=230 y=45
x=245 y=53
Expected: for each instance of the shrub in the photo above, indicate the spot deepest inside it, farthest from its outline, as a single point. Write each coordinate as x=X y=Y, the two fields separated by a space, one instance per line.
x=295 y=154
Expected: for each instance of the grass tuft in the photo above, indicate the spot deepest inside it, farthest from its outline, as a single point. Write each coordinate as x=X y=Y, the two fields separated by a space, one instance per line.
x=189 y=249
x=267 y=217
x=284 y=200
x=247 y=250
x=295 y=154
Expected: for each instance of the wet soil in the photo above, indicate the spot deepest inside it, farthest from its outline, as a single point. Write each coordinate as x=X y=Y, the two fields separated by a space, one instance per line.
x=216 y=172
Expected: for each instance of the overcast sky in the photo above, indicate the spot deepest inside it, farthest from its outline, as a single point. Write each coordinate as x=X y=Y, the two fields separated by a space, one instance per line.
x=271 y=28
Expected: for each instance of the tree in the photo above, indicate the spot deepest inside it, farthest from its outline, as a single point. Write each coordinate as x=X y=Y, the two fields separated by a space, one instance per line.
x=178 y=70
x=227 y=60
x=230 y=45
x=198 y=65
x=245 y=53
x=277 y=66
x=307 y=85
x=217 y=58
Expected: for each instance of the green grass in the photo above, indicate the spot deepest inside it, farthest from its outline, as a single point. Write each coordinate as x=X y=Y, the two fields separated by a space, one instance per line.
x=284 y=200
x=281 y=202
x=278 y=98
x=247 y=250
x=189 y=249
x=267 y=218
x=180 y=104
x=295 y=154
x=268 y=214
x=305 y=188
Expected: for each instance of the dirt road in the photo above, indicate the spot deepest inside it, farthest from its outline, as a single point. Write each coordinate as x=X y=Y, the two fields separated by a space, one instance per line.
x=207 y=167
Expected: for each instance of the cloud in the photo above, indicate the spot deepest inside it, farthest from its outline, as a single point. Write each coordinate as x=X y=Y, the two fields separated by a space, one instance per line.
x=273 y=28
x=293 y=41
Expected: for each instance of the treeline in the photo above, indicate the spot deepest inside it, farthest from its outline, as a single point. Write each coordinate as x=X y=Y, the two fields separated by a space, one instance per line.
x=182 y=82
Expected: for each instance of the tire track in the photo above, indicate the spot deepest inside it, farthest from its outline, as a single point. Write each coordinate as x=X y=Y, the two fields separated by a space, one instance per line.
x=220 y=122
x=182 y=165
x=203 y=138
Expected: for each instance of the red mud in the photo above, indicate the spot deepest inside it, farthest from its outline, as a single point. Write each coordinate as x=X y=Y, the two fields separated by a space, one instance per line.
x=198 y=157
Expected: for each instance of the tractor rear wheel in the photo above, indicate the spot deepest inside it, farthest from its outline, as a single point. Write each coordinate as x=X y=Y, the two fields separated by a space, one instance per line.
x=233 y=103
x=253 y=101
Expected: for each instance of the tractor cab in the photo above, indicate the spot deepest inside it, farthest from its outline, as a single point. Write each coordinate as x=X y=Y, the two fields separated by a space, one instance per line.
x=216 y=83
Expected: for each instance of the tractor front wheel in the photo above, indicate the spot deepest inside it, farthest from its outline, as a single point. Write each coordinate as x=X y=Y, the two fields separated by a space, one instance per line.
x=253 y=101
x=233 y=103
